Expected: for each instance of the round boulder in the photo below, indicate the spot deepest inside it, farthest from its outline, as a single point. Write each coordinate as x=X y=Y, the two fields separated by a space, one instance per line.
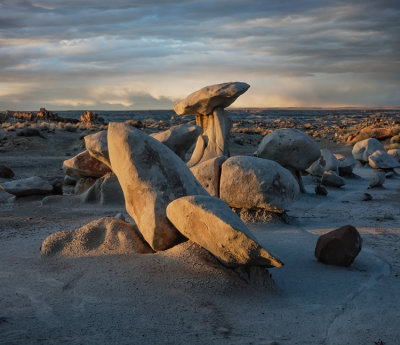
x=364 y=148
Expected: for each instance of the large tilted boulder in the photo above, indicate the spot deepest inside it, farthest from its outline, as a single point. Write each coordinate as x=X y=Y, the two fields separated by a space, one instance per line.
x=209 y=222
x=34 y=185
x=100 y=237
x=205 y=100
x=382 y=160
x=364 y=148
x=84 y=165
x=179 y=138
x=208 y=173
x=208 y=105
x=106 y=191
x=339 y=247
x=151 y=176
x=96 y=145
x=291 y=148
x=256 y=183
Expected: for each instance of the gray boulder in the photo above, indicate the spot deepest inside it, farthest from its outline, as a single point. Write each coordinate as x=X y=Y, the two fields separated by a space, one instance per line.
x=330 y=178
x=346 y=165
x=382 y=160
x=395 y=153
x=106 y=191
x=364 y=148
x=256 y=183
x=209 y=222
x=151 y=176
x=28 y=186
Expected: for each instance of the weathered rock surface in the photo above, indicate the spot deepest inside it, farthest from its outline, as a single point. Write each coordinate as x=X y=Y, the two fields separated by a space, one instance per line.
x=346 y=165
x=28 y=186
x=330 y=178
x=83 y=184
x=395 y=153
x=6 y=172
x=382 y=160
x=377 y=179
x=96 y=145
x=209 y=222
x=100 y=237
x=289 y=147
x=179 y=138
x=208 y=173
x=251 y=182
x=106 y=191
x=326 y=162
x=84 y=165
x=339 y=247
x=205 y=100
x=151 y=176
x=364 y=148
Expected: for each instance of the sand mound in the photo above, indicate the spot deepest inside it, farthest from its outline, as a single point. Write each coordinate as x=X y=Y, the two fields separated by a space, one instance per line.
x=100 y=237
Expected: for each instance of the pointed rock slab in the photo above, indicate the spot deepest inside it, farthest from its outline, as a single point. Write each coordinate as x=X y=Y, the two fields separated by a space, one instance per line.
x=364 y=148
x=151 y=176
x=84 y=165
x=96 y=145
x=100 y=237
x=382 y=160
x=208 y=173
x=256 y=183
x=339 y=247
x=34 y=185
x=209 y=222
x=179 y=138
x=205 y=100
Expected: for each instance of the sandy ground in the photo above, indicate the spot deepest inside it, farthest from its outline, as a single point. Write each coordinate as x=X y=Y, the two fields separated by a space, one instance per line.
x=177 y=296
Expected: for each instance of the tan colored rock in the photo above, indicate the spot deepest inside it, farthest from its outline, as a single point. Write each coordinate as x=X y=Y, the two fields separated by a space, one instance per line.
x=151 y=176
x=251 y=182
x=179 y=138
x=96 y=145
x=84 y=165
x=209 y=222
x=208 y=173
x=34 y=185
x=205 y=100
x=103 y=236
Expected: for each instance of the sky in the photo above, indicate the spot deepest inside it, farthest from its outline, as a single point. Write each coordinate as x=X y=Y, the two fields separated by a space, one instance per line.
x=148 y=54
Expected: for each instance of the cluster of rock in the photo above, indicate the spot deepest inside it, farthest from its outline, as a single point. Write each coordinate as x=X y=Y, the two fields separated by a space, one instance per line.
x=41 y=115
x=90 y=117
x=34 y=185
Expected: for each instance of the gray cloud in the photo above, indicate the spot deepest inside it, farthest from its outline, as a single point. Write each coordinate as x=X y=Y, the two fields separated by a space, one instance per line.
x=94 y=43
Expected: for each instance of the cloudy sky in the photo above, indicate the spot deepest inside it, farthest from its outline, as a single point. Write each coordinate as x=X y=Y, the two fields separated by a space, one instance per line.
x=147 y=54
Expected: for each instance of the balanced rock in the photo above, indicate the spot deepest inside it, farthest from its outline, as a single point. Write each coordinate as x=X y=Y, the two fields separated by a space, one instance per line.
x=151 y=176
x=382 y=160
x=6 y=172
x=179 y=138
x=364 y=148
x=96 y=145
x=106 y=191
x=377 y=179
x=339 y=247
x=34 y=185
x=330 y=178
x=256 y=183
x=205 y=100
x=208 y=173
x=84 y=165
x=209 y=222
x=100 y=237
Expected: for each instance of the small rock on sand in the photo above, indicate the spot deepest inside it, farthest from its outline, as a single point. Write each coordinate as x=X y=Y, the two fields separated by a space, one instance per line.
x=34 y=185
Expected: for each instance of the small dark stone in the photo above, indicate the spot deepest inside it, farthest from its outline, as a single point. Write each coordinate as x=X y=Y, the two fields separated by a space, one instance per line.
x=366 y=197
x=6 y=172
x=30 y=132
x=57 y=186
x=321 y=190
x=339 y=247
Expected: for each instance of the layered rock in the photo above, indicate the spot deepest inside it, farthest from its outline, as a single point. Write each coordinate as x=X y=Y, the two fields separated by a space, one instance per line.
x=100 y=237
x=251 y=182
x=34 y=185
x=209 y=222
x=377 y=179
x=84 y=165
x=339 y=247
x=151 y=176
x=208 y=173
x=208 y=105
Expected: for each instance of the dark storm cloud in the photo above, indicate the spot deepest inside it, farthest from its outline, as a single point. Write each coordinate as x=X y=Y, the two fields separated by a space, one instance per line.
x=100 y=41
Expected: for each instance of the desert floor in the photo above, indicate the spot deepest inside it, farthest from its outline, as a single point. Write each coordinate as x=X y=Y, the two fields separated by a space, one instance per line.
x=180 y=297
